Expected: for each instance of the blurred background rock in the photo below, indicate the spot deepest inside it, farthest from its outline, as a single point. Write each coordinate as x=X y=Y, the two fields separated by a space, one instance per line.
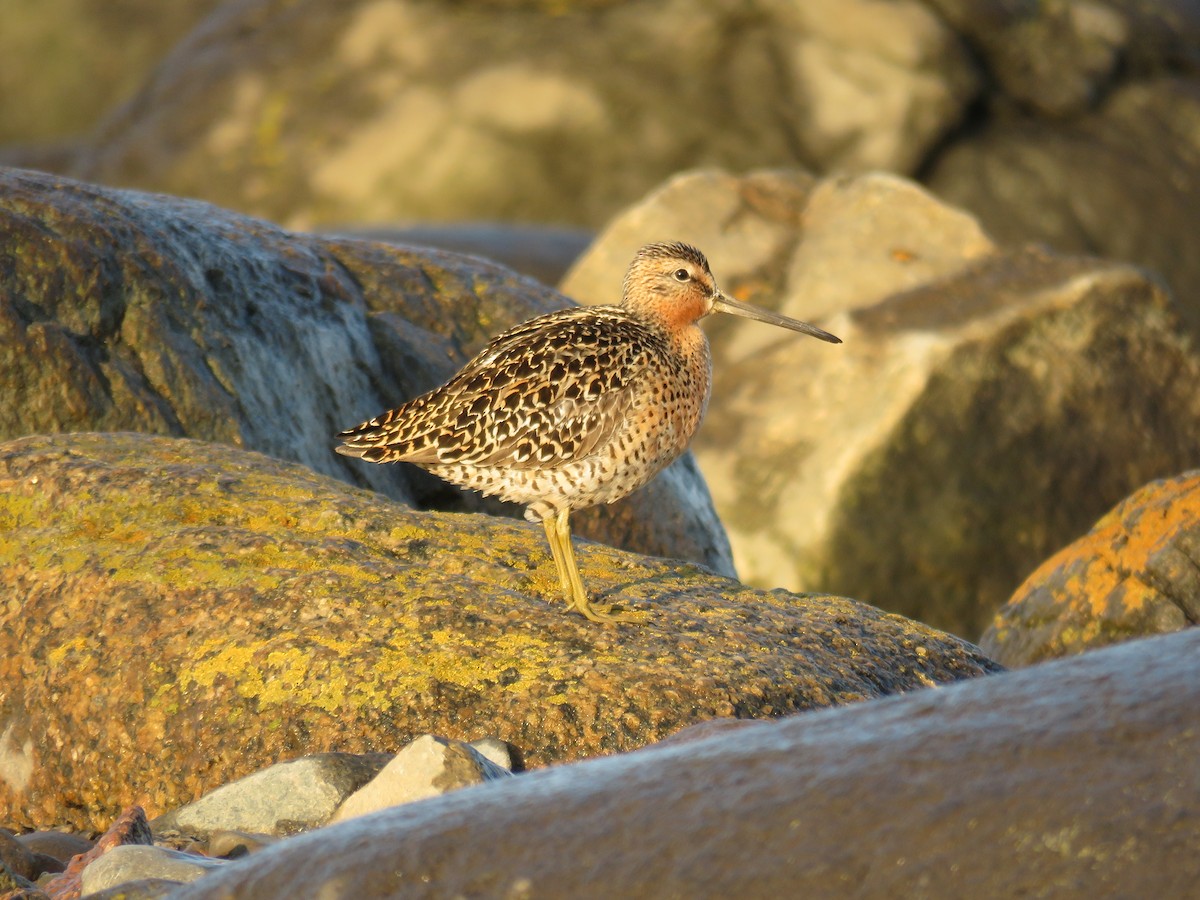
x=1075 y=123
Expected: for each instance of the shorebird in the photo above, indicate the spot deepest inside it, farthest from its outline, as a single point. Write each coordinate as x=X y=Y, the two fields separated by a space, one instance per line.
x=574 y=408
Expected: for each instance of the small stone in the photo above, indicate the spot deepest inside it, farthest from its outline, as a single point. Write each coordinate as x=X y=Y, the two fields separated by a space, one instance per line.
x=427 y=767
x=500 y=752
x=281 y=799
x=134 y=863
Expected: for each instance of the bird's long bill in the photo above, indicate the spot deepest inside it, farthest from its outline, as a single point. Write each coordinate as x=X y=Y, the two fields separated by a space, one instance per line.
x=726 y=304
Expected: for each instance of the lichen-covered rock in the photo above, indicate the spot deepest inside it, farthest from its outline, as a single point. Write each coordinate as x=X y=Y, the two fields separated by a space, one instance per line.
x=122 y=311
x=178 y=614
x=1136 y=573
x=986 y=407
x=1081 y=772
x=335 y=111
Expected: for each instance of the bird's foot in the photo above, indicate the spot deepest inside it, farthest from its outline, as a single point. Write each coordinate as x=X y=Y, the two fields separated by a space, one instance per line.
x=611 y=614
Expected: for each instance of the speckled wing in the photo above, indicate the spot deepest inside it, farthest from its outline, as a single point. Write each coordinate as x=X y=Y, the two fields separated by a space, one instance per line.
x=543 y=393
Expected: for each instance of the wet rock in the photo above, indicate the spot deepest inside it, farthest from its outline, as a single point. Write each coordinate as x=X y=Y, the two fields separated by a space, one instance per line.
x=1136 y=573
x=134 y=863
x=524 y=113
x=427 y=767
x=173 y=317
x=1084 y=770
x=281 y=799
x=191 y=613
x=987 y=406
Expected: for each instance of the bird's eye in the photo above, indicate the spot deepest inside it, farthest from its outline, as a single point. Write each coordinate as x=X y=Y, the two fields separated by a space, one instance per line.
x=682 y=275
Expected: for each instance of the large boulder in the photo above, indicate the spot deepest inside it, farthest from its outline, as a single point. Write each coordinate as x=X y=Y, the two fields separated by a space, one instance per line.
x=1136 y=573
x=1121 y=181
x=987 y=406
x=123 y=311
x=335 y=111
x=1077 y=775
x=178 y=614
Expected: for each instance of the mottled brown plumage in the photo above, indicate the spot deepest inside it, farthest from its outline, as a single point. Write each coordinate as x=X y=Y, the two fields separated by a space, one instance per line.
x=575 y=408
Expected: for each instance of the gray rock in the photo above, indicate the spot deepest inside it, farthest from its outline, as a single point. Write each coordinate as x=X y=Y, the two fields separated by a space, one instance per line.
x=282 y=799
x=134 y=863
x=173 y=317
x=17 y=885
x=541 y=252
x=427 y=767
x=1054 y=57
x=1031 y=783
x=987 y=406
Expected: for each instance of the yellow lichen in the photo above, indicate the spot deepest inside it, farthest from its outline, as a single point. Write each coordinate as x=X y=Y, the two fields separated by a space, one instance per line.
x=58 y=654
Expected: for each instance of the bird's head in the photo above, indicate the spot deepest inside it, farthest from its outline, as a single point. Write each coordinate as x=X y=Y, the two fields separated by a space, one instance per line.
x=672 y=282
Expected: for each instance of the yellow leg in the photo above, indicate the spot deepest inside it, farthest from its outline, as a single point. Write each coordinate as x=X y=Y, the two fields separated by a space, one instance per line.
x=558 y=533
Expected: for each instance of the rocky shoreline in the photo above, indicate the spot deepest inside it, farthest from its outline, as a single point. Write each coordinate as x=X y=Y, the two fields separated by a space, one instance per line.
x=920 y=614
x=1096 y=796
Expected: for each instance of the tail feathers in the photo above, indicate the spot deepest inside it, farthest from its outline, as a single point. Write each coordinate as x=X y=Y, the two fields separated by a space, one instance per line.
x=379 y=453
x=376 y=442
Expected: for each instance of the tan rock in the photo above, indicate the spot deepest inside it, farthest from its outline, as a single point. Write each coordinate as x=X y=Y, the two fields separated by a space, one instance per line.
x=428 y=767
x=1136 y=573
x=987 y=405
x=58 y=73
x=372 y=111
x=180 y=614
